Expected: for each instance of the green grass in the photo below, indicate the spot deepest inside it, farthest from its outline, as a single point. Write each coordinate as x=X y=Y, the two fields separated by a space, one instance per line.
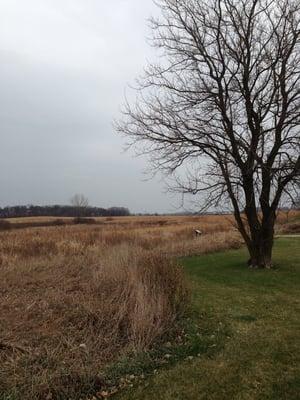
x=244 y=333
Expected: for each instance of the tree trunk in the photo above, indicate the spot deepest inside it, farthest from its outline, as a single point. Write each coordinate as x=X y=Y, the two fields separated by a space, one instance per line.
x=261 y=247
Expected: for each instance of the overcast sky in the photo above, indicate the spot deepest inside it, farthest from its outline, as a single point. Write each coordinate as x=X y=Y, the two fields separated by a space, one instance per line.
x=64 y=67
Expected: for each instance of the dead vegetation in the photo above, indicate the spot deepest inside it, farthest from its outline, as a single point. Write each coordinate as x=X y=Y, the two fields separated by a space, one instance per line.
x=76 y=297
x=290 y=228
x=72 y=314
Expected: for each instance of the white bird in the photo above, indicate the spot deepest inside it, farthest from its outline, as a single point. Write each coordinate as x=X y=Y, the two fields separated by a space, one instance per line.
x=197 y=232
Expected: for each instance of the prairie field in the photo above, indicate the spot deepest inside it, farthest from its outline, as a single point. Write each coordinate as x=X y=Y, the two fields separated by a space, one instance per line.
x=75 y=299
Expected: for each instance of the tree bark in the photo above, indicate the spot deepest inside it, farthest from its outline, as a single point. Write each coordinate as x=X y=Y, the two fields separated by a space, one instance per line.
x=261 y=246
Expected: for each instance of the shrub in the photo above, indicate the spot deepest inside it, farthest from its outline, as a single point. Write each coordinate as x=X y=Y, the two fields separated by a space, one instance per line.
x=83 y=220
x=58 y=222
x=4 y=225
x=290 y=228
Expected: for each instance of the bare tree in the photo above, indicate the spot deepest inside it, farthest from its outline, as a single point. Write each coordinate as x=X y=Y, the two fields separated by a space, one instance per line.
x=225 y=103
x=80 y=203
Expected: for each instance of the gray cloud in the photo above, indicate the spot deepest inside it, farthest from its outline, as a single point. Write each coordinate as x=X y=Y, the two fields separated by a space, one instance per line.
x=64 y=65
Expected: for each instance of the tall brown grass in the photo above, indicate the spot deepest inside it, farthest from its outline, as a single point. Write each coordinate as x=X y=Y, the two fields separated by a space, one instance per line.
x=73 y=298
x=64 y=317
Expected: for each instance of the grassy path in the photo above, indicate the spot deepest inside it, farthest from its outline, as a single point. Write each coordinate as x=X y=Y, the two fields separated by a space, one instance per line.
x=259 y=357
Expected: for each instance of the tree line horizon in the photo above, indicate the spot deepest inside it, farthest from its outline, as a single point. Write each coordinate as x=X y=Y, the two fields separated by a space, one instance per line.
x=61 y=211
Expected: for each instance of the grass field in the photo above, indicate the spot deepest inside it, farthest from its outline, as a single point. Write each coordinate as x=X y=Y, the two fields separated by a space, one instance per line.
x=91 y=309
x=207 y=223
x=258 y=358
x=74 y=298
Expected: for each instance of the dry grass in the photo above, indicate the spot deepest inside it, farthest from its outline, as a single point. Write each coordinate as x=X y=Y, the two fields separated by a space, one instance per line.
x=66 y=316
x=290 y=228
x=73 y=298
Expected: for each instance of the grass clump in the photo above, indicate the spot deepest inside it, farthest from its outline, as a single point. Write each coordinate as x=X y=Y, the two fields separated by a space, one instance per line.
x=64 y=318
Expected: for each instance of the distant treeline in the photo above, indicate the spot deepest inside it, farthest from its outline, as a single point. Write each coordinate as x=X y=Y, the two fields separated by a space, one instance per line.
x=61 y=211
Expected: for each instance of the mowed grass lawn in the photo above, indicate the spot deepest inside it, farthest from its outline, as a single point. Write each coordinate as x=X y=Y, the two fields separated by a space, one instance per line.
x=252 y=318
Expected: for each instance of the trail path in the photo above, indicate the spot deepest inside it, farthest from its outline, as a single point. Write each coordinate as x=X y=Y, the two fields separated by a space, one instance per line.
x=288 y=236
